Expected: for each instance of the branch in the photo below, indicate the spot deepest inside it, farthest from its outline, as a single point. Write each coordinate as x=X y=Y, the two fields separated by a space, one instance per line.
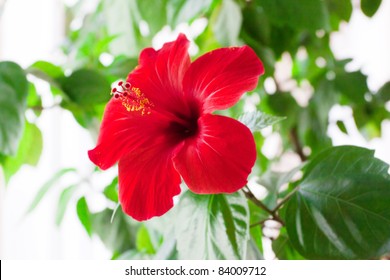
x=297 y=145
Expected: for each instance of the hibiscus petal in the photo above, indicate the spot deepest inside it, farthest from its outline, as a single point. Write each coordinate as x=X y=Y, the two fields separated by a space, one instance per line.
x=222 y=76
x=122 y=131
x=219 y=159
x=160 y=74
x=148 y=181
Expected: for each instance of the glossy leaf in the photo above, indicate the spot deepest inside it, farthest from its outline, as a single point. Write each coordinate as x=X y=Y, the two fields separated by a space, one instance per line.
x=341 y=209
x=215 y=227
x=14 y=76
x=179 y=11
x=283 y=248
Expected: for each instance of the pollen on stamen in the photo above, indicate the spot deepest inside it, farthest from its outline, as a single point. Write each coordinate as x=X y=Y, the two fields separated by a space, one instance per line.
x=132 y=98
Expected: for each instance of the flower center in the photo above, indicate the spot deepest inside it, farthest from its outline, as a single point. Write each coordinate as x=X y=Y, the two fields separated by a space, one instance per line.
x=132 y=98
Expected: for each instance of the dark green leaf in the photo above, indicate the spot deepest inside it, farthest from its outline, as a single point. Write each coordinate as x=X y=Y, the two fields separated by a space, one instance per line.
x=339 y=10
x=369 y=7
x=63 y=202
x=215 y=227
x=29 y=151
x=383 y=93
x=341 y=209
x=13 y=93
x=84 y=215
x=353 y=85
x=257 y=120
x=341 y=126
x=14 y=76
x=304 y=14
x=47 y=186
x=283 y=248
x=86 y=87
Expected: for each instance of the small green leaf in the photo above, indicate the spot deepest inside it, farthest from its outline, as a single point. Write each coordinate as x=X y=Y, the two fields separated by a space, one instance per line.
x=341 y=126
x=84 y=215
x=215 y=227
x=143 y=241
x=29 y=151
x=341 y=209
x=63 y=202
x=383 y=93
x=257 y=120
x=370 y=7
x=111 y=191
x=86 y=87
x=47 y=186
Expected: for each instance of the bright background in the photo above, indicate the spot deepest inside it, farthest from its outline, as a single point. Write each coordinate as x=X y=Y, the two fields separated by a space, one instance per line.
x=32 y=30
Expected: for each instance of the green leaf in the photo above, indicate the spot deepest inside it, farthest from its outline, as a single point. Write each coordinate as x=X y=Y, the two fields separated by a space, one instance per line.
x=370 y=7
x=304 y=14
x=227 y=23
x=143 y=242
x=352 y=85
x=120 y=234
x=63 y=202
x=341 y=126
x=341 y=209
x=84 y=215
x=383 y=93
x=179 y=11
x=339 y=10
x=215 y=227
x=257 y=120
x=86 y=87
x=156 y=17
x=283 y=248
x=47 y=186
x=29 y=151
x=15 y=77
x=121 y=67
x=111 y=191
x=46 y=71
x=13 y=93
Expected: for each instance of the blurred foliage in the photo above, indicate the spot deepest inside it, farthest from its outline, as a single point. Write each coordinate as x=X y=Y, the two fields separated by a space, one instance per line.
x=105 y=47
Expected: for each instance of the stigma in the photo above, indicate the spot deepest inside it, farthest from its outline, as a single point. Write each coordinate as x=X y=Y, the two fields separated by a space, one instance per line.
x=132 y=98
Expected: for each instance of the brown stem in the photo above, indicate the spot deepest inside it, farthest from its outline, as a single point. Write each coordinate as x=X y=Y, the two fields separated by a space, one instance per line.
x=249 y=195
x=297 y=145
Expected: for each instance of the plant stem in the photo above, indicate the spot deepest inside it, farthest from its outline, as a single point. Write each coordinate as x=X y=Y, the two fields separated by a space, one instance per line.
x=258 y=203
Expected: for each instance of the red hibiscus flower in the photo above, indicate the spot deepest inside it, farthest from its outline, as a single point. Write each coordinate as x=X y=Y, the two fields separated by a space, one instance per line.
x=160 y=127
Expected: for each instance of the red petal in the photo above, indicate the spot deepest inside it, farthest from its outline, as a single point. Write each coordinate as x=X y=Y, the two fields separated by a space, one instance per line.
x=122 y=131
x=219 y=159
x=222 y=76
x=160 y=75
x=148 y=181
